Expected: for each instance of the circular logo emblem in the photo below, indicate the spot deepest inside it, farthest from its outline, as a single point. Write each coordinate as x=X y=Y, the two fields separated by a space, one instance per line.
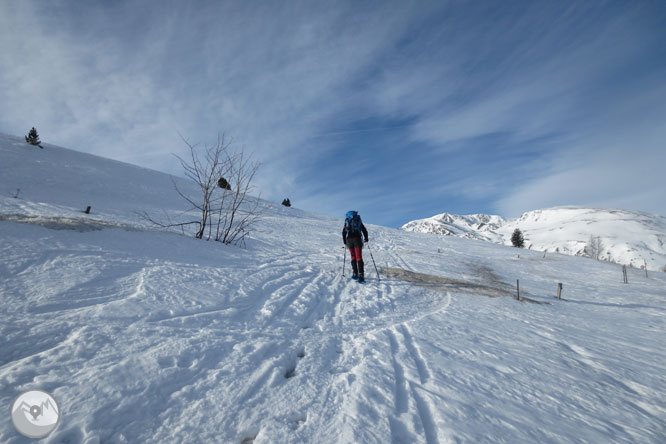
x=35 y=414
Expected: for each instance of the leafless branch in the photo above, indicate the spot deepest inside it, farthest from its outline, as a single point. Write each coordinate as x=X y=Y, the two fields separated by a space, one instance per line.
x=224 y=180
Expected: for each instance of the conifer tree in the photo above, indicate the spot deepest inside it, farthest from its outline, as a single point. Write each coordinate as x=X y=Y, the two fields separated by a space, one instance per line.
x=286 y=203
x=517 y=238
x=33 y=138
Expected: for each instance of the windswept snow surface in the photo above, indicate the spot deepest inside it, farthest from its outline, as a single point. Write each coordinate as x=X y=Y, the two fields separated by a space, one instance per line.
x=149 y=336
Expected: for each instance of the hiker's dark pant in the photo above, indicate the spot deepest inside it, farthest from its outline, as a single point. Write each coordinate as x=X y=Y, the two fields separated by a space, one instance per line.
x=355 y=245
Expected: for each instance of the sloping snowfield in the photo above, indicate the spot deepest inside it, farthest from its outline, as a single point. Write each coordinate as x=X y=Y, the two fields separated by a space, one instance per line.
x=148 y=336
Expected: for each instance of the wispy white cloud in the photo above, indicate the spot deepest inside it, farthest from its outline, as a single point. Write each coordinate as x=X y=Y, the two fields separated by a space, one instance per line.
x=269 y=75
x=81 y=93
x=559 y=94
x=476 y=104
x=617 y=162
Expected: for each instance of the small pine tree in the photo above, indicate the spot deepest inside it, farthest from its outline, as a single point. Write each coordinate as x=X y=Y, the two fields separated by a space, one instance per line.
x=33 y=138
x=286 y=203
x=517 y=238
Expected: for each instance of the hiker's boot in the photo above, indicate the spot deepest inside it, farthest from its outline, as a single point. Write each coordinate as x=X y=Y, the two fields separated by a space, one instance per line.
x=361 y=277
x=355 y=269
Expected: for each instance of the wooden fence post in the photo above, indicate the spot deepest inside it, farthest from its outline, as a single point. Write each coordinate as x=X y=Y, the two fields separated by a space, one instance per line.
x=624 y=274
x=87 y=209
x=559 y=290
x=517 y=289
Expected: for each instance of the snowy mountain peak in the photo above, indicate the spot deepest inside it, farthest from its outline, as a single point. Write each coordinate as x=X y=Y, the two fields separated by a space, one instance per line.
x=472 y=226
x=628 y=237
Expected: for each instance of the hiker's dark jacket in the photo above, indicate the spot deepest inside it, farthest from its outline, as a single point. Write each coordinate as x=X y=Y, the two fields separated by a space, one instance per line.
x=347 y=233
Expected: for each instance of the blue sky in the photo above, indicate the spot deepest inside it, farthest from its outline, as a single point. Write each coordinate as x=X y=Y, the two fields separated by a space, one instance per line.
x=400 y=109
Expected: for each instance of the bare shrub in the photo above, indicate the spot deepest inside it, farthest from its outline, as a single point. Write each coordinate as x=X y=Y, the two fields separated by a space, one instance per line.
x=594 y=247
x=224 y=178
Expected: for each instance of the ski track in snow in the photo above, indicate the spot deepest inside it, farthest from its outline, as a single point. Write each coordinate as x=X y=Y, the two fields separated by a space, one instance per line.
x=280 y=323
x=147 y=336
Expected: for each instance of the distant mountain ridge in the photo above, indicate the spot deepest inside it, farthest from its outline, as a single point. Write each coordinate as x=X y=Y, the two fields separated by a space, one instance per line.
x=470 y=226
x=628 y=237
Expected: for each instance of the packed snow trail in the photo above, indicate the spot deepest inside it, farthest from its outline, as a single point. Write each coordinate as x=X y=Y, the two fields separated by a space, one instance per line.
x=146 y=336
x=265 y=326
x=174 y=346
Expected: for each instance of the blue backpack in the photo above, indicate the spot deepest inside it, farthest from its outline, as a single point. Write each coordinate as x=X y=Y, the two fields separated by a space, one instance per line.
x=353 y=222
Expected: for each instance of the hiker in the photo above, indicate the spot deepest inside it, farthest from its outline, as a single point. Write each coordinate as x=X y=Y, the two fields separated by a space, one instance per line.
x=351 y=237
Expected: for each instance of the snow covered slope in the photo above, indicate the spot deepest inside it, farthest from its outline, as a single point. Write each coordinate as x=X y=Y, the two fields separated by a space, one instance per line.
x=627 y=237
x=73 y=180
x=151 y=336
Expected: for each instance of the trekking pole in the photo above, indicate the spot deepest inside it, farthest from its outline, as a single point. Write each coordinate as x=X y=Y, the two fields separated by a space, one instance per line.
x=344 y=261
x=373 y=262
